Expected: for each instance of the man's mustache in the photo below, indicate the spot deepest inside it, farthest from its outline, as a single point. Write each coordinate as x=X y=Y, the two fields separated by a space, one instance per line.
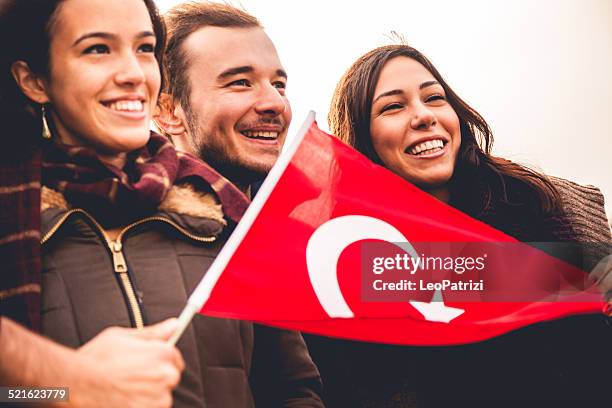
x=263 y=121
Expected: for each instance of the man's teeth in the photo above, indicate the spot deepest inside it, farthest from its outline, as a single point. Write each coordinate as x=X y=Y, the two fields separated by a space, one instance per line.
x=127 y=106
x=430 y=146
x=261 y=135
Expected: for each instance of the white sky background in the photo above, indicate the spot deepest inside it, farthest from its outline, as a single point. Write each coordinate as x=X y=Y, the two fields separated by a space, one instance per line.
x=540 y=72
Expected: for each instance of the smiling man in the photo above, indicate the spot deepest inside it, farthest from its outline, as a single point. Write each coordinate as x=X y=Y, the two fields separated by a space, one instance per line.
x=225 y=97
x=225 y=102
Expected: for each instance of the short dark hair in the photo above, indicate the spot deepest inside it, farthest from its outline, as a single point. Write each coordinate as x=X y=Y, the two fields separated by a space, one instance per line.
x=26 y=27
x=181 y=21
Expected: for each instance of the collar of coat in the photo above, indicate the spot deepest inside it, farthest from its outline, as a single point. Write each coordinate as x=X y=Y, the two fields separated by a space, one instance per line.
x=182 y=201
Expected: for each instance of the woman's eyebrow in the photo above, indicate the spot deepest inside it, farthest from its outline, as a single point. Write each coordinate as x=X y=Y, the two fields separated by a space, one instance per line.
x=400 y=92
x=97 y=34
x=428 y=83
x=388 y=93
x=110 y=36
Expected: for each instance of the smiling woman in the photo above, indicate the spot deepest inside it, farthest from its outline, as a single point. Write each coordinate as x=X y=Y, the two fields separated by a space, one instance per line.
x=394 y=106
x=117 y=226
x=103 y=79
x=416 y=132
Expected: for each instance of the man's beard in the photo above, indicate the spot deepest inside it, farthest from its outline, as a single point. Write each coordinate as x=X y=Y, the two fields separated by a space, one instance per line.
x=217 y=156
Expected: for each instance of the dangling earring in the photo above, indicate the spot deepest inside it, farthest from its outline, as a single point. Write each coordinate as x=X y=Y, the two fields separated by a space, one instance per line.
x=46 y=132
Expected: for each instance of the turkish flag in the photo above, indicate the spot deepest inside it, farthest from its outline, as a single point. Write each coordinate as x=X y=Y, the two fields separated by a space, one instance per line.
x=296 y=260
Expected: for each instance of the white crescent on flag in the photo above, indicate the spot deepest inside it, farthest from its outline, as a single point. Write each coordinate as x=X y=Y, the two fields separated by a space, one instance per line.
x=332 y=237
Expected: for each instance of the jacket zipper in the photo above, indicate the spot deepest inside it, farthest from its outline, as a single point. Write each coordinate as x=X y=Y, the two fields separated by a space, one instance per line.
x=116 y=248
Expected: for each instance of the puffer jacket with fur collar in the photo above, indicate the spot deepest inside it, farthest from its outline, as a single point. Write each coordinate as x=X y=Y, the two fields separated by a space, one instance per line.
x=144 y=274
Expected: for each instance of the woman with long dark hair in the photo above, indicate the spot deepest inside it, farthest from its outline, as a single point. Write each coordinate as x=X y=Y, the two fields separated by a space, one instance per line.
x=59 y=62
x=462 y=171
x=394 y=106
x=114 y=227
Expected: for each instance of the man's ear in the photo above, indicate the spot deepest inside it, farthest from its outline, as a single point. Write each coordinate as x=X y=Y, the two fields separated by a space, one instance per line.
x=30 y=84
x=169 y=117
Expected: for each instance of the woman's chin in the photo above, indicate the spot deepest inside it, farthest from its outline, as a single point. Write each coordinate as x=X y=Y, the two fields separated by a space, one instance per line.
x=431 y=180
x=126 y=142
x=115 y=149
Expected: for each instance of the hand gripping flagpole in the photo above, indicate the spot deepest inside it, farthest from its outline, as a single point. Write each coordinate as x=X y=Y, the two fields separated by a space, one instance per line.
x=202 y=292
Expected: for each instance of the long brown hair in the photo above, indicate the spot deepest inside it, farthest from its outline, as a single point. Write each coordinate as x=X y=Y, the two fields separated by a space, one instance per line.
x=349 y=119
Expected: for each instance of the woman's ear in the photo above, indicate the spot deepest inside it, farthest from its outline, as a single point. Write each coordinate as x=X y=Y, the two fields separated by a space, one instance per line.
x=30 y=84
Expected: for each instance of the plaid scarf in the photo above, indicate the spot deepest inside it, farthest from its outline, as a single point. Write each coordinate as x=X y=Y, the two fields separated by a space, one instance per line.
x=139 y=187
x=85 y=179
x=20 y=237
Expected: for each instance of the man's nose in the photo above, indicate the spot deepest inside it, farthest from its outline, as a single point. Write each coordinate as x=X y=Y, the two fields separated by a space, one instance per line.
x=270 y=102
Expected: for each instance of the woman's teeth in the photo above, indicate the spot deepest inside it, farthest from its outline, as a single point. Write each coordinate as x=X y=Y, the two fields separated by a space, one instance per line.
x=127 y=106
x=261 y=135
x=428 y=147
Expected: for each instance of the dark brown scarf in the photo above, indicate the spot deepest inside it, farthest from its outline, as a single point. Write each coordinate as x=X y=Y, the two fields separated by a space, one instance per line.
x=118 y=195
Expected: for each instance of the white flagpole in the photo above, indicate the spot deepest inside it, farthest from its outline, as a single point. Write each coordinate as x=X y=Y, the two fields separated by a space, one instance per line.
x=202 y=292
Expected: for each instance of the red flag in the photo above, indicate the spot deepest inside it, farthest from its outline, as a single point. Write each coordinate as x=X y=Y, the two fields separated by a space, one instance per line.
x=297 y=259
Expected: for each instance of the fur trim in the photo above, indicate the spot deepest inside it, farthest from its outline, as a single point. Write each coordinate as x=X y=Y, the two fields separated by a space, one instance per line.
x=185 y=200
x=181 y=199
x=50 y=198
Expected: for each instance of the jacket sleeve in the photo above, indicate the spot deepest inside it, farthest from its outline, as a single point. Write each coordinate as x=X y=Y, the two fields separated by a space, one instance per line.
x=283 y=373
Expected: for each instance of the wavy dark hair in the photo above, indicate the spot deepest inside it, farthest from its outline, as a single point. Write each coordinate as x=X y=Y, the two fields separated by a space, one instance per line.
x=26 y=27
x=349 y=119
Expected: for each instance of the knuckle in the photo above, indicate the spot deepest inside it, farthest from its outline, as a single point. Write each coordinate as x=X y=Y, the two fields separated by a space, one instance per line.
x=166 y=351
x=173 y=377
